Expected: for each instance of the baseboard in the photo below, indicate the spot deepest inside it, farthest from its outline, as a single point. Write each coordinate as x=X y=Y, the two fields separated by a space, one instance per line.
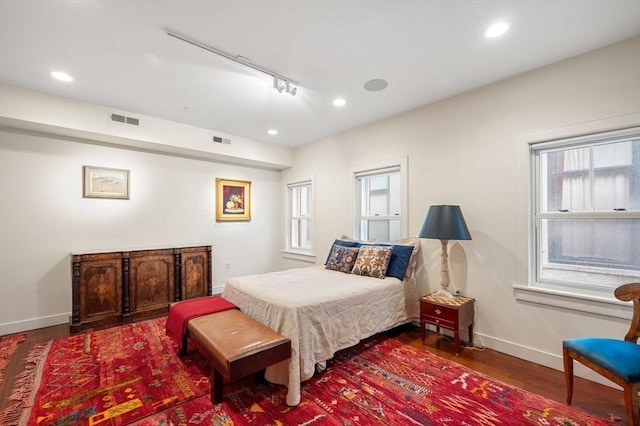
x=217 y=289
x=34 y=323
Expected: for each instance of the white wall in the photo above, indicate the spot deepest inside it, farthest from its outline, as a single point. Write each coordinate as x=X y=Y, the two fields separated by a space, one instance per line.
x=44 y=218
x=462 y=150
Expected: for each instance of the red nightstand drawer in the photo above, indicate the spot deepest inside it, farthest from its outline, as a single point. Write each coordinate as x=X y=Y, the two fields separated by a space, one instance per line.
x=439 y=315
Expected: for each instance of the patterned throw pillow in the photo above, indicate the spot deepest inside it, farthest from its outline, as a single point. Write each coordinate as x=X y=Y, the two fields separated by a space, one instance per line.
x=342 y=258
x=372 y=261
x=344 y=243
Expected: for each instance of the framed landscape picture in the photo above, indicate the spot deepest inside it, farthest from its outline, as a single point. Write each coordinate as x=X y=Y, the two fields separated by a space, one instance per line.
x=233 y=200
x=102 y=182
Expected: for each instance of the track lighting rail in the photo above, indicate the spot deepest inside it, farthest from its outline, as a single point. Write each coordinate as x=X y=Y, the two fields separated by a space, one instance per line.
x=280 y=82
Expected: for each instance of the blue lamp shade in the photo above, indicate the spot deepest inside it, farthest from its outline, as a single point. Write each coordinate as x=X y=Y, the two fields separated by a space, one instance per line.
x=444 y=223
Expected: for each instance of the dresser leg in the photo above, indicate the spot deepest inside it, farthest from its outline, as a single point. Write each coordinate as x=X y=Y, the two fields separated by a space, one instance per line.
x=422 y=333
x=456 y=334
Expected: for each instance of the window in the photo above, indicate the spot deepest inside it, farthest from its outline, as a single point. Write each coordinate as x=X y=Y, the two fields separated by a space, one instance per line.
x=380 y=204
x=586 y=219
x=300 y=216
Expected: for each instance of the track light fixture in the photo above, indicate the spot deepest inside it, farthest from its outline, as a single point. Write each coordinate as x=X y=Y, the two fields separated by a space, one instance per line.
x=280 y=82
x=291 y=89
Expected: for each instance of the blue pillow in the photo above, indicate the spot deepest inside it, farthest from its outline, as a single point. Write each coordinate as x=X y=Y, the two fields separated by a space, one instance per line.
x=342 y=243
x=399 y=261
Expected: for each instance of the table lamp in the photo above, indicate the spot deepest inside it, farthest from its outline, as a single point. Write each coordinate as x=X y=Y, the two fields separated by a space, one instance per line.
x=444 y=223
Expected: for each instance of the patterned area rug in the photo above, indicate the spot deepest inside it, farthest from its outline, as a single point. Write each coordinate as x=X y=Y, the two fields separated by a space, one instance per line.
x=8 y=346
x=132 y=374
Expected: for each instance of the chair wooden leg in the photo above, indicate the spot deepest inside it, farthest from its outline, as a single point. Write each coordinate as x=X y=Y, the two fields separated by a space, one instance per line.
x=568 y=373
x=632 y=403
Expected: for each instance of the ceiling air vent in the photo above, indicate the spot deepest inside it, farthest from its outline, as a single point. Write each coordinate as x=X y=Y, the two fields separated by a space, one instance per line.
x=218 y=139
x=126 y=120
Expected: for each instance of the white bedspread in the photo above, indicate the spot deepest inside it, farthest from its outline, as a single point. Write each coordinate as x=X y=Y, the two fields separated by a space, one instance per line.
x=321 y=311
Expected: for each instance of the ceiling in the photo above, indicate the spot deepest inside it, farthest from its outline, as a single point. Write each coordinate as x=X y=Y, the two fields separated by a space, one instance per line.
x=120 y=55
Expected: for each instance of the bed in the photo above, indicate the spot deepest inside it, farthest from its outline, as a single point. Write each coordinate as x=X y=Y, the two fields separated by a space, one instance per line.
x=323 y=311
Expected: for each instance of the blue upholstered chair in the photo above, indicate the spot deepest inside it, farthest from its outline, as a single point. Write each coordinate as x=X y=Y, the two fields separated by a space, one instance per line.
x=617 y=360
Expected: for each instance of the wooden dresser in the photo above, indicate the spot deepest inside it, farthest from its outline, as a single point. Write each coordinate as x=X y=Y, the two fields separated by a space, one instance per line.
x=115 y=287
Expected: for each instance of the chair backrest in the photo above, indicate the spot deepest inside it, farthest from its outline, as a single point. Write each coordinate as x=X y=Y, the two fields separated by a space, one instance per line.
x=626 y=293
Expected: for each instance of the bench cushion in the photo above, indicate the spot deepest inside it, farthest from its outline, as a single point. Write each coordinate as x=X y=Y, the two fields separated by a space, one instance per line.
x=236 y=344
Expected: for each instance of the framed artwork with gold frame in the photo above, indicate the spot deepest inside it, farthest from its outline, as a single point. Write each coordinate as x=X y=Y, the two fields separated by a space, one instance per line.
x=103 y=182
x=233 y=200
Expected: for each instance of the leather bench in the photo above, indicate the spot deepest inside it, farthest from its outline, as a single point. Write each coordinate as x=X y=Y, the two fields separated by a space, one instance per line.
x=236 y=346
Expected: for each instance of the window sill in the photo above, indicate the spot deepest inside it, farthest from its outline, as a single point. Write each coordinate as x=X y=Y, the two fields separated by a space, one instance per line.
x=299 y=255
x=567 y=300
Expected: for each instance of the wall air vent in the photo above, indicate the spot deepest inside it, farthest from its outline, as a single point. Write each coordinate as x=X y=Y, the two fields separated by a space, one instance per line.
x=218 y=139
x=126 y=120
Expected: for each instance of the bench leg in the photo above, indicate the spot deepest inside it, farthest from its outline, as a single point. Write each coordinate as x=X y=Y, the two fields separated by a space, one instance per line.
x=183 y=346
x=259 y=377
x=217 y=383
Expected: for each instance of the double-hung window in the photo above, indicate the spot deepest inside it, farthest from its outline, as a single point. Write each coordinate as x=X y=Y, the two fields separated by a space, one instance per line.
x=380 y=205
x=300 y=229
x=586 y=218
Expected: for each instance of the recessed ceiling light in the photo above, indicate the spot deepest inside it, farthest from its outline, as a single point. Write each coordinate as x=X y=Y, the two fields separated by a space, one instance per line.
x=339 y=102
x=376 y=85
x=272 y=132
x=496 y=30
x=62 y=76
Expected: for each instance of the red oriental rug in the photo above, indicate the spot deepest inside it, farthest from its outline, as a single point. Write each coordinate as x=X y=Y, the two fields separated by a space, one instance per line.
x=8 y=346
x=132 y=375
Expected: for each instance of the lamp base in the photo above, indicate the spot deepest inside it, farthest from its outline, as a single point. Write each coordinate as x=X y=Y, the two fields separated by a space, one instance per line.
x=443 y=293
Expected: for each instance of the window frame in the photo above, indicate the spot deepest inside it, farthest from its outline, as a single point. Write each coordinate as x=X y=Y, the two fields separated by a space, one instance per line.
x=297 y=253
x=398 y=165
x=540 y=214
x=527 y=288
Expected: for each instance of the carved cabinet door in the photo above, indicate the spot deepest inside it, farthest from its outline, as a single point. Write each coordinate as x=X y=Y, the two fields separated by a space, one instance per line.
x=195 y=272
x=100 y=286
x=152 y=281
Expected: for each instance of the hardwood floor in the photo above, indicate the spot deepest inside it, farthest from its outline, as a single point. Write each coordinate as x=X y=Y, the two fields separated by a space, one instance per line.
x=597 y=399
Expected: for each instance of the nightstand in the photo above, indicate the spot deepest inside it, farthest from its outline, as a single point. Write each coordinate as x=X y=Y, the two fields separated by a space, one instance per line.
x=453 y=314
